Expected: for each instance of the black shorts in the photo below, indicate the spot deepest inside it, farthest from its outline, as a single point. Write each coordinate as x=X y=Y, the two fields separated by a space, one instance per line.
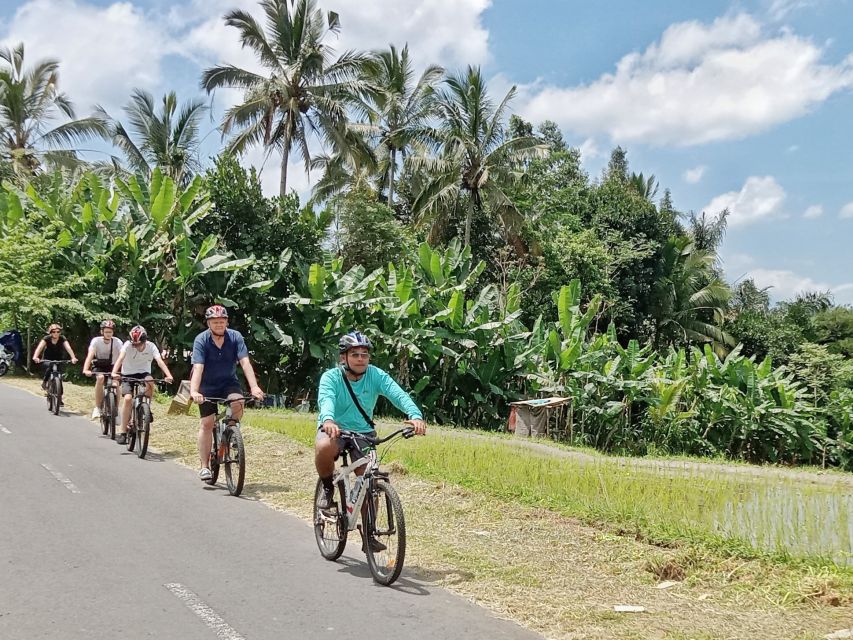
x=347 y=445
x=125 y=386
x=209 y=408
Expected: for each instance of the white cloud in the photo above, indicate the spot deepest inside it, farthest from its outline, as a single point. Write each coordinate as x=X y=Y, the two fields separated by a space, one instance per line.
x=814 y=211
x=693 y=176
x=846 y=211
x=104 y=51
x=448 y=32
x=589 y=149
x=699 y=83
x=787 y=284
x=760 y=198
x=781 y=9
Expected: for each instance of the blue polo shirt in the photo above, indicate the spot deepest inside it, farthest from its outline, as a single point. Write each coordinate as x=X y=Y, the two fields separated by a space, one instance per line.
x=220 y=365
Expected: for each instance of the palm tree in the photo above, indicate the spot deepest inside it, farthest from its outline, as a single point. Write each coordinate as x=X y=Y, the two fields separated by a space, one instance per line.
x=476 y=160
x=690 y=300
x=398 y=109
x=306 y=91
x=169 y=140
x=29 y=100
x=646 y=188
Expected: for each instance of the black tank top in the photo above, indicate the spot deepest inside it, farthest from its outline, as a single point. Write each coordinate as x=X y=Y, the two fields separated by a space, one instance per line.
x=54 y=351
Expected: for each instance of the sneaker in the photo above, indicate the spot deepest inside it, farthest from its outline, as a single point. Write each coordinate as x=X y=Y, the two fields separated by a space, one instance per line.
x=375 y=545
x=96 y=413
x=204 y=475
x=326 y=501
x=121 y=438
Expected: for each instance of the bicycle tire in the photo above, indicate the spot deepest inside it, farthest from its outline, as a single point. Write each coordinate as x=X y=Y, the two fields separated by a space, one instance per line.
x=331 y=546
x=131 y=430
x=3 y=368
x=143 y=419
x=389 y=527
x=107 y=414
x=57 y=396
x=234 y=478
x=49 y=390
x=213 y=462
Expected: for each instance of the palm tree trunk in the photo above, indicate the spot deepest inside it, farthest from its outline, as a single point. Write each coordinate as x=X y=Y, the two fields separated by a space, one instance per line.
x=285 y=154
x=475 y=196
x=391 y=167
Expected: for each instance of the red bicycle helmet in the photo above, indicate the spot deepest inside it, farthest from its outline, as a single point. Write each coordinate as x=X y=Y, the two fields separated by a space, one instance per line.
x=138 y=334
x=108 y=324
x=216 y=311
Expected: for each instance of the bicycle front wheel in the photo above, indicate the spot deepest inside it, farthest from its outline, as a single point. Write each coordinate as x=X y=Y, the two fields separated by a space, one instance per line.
x=108 y=423
x=235 y=461
x=330 y=527
x=57 y=396
x=143 y=429
x=386 y=544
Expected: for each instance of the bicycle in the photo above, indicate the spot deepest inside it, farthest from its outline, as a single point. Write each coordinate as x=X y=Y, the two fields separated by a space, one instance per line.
x=385 y=522
x=139 y=425
x=109 y=406
x=54 y=385
x=227 y=447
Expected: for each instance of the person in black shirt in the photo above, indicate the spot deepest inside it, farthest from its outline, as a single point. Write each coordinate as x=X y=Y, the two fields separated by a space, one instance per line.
x=54 y=346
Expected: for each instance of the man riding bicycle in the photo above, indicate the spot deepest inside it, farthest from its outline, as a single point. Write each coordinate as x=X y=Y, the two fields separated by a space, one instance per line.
x=134 y=362
x=337 y=409
x=103 y=352
x=55 y=347
x=216 y=353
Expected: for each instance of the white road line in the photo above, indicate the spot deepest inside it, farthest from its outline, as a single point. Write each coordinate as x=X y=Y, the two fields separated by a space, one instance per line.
x=216 y=624
x=6 y=431
x=61 y=478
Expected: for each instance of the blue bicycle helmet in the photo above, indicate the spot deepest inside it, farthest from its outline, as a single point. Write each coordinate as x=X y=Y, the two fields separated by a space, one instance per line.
x=353 y=339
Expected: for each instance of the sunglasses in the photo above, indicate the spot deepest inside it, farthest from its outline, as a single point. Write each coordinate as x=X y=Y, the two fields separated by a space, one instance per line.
x=54 y=331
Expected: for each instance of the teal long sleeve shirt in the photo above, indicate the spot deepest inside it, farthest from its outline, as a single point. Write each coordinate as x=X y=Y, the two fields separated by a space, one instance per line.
x=334 y=401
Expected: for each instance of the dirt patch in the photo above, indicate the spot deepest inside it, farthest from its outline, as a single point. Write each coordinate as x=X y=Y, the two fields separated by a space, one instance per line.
x=543 y=570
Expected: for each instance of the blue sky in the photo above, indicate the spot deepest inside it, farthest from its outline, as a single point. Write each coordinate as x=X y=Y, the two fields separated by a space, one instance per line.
x=746 y=105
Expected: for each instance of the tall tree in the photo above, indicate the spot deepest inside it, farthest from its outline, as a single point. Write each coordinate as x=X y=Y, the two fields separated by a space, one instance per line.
x=476 y=160
x=30 y=101
x=689 y=299
x=168 y=140
x=307 y=89
x=398 y=108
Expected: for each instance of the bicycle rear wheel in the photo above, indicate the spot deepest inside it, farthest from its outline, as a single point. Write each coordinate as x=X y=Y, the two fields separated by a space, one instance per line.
x=213 y=463
x=388 y=527
x=235 y=460
x=330 y=528
x=143 y=429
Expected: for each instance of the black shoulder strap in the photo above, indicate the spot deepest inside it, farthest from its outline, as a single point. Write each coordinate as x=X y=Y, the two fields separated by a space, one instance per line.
x=356 y=402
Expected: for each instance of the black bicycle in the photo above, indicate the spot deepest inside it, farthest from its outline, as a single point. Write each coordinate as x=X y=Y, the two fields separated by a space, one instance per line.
x=227 y=449
x=139 y=426
x=54 y=385
x=384 y=526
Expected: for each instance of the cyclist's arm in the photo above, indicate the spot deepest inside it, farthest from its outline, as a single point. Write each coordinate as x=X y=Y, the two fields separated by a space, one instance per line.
x=326 y=399
x=164 y=368
x=398 y=397
x=87 y=363
x=117 y=365
x=195 y=379
x=69 y=350
x=249 y=372
x=41 y=347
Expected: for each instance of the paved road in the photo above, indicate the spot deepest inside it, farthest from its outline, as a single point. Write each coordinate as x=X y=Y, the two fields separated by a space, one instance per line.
x=95 y=543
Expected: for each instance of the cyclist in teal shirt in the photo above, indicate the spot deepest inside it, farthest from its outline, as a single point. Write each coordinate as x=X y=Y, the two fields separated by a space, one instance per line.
x=338 y=411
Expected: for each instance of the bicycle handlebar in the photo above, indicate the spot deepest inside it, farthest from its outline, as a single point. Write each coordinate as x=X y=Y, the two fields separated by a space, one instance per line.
x=54 y=361
x=406 y=432
x=228 y=401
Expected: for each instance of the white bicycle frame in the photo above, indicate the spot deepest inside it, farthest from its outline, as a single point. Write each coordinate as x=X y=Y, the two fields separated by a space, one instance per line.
x=353 y=509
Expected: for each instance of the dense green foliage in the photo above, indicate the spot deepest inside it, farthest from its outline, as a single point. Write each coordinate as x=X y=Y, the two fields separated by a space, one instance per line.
x=454 y=235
